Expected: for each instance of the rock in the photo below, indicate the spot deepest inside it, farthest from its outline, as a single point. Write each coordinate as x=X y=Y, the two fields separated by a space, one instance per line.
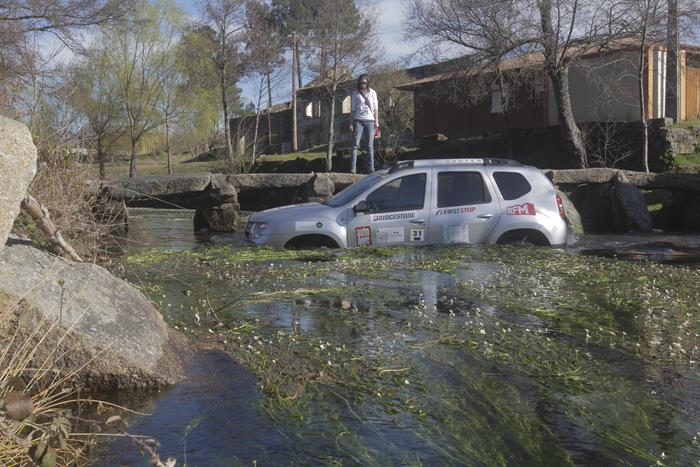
x=222 y=218
x=629 y=207
x=96 y=328
x=573 y=218
x=319 y=188
x=17 y=169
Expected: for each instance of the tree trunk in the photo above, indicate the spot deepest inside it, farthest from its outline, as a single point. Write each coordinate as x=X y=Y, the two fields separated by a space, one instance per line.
x=132 y=163
x=331 y=133
x=567 y=124
x=167 y=144
x=642 y=104
x=101 y=158
x=269 y=111
x=558 y=72
x=227 y=131
x=255 y=134
x=298 y=57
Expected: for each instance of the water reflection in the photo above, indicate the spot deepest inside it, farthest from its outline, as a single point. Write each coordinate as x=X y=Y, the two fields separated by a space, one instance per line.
x=528 y=357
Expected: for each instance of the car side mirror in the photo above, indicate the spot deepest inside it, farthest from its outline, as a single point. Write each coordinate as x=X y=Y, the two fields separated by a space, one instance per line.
x=361 y=207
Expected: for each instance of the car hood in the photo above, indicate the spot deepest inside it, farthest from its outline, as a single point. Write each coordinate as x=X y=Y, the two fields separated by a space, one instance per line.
x=297 y=211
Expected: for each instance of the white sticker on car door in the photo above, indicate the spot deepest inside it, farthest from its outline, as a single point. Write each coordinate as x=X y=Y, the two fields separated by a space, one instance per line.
x=456 y=233
x=390 y=235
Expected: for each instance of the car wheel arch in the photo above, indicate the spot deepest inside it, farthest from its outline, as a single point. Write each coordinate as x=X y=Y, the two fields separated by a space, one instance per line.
x=529 y=235
x=315 y=240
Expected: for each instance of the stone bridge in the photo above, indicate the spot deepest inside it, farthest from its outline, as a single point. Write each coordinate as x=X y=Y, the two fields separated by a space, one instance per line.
x=607 y=200
x=217 y=198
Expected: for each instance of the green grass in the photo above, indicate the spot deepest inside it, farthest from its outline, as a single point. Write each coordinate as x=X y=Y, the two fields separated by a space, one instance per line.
x=118 y=167
x=695 y=122
x=688 y=163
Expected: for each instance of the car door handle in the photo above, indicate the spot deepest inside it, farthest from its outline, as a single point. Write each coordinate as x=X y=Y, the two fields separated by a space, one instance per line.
x=485 y=216
x=418 y=221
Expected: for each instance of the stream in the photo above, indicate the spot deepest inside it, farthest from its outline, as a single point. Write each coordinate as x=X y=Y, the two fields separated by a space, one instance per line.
x=455 y=355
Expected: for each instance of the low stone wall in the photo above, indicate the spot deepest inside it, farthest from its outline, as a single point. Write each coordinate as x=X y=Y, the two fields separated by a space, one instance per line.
x=610 y=200
x=217 y=198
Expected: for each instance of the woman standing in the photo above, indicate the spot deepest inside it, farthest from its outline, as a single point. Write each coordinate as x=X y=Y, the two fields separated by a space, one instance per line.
x=364 y=110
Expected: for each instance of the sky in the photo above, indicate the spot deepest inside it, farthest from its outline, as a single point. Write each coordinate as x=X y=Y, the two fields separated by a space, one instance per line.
x=390 y=14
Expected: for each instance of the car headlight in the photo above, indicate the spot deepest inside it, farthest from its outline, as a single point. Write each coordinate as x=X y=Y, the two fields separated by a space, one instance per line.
x=256 y=229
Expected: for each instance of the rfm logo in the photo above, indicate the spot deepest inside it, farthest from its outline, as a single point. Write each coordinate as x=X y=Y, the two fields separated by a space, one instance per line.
x=527 y=209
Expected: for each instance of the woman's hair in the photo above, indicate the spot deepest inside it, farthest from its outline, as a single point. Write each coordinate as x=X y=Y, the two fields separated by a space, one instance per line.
x=365 y=77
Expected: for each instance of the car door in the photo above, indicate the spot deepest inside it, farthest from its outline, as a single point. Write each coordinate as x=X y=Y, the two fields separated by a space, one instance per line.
x=397 y=213
x=465 y=209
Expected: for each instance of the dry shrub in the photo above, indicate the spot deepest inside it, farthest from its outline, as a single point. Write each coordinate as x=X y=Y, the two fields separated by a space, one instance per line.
x=35 y=420
x=86 y=221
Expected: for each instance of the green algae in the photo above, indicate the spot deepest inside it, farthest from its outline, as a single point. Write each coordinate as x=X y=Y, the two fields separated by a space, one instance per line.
x=516 y=359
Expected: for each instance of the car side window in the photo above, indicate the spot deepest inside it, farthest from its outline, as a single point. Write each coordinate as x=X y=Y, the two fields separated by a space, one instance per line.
x=461 y=188
x=402 y=194
x=512 y=185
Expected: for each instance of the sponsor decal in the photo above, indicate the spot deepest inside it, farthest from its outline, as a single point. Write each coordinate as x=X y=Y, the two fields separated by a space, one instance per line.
x=417 y=235
x=527 y=209
x=363 y=236
x=390 y=235
x=393 y=216
x=445 y=212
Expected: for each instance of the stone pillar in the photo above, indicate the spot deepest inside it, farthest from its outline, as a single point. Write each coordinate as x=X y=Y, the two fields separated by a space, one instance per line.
x=17 y=169
x=222 y=218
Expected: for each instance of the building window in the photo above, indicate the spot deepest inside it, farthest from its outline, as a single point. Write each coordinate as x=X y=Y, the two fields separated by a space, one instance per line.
x=496 y=99
x=309 y=109
x=317 y=108
x=347 y=107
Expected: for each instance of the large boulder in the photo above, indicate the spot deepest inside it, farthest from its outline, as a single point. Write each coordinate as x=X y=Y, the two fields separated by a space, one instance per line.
x=17 y=169
x=629 y=206
x=98 y=330
x=573 y=218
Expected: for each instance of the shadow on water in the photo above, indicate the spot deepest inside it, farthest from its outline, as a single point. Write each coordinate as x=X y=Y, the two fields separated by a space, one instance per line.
x=210 y=419
x=425 y=356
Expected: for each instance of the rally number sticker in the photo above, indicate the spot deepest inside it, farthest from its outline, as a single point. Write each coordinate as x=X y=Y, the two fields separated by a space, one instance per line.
x=363 y=236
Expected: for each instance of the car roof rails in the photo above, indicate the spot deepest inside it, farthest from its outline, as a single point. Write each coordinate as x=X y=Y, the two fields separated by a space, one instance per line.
x=401 y=165
x=486 y=161
x=501 y=161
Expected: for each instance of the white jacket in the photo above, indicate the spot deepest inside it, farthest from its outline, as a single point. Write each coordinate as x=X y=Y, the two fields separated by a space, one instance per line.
x=359 y=108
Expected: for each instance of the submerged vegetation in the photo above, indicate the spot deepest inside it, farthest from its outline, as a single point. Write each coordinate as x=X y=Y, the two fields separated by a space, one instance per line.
x=451 y=355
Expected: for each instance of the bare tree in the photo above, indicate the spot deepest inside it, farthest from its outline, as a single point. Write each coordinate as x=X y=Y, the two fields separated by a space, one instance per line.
x=226 y=17
x=95 y=97
x=21 y=21
x=264 y=43
x=396 y=105
x=551 y=34
x=141 y=58
x=343 y=45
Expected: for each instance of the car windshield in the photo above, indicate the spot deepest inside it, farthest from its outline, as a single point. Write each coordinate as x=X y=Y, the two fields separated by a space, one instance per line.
x=351 y=192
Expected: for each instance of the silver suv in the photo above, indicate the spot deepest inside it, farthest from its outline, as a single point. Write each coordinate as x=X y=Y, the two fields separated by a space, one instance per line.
x=424 y=202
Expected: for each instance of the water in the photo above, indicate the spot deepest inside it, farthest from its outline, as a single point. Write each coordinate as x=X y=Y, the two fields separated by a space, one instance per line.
x=428 y=356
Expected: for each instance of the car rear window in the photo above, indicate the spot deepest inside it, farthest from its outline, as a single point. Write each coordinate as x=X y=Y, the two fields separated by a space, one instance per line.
x=512 y=185
x=461 y=188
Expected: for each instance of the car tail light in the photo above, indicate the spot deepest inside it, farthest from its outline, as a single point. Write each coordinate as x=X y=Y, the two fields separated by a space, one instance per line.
x=560 y=205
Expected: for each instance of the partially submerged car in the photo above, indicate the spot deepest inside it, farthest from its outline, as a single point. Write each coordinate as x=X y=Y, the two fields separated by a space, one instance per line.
x=424 y=202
